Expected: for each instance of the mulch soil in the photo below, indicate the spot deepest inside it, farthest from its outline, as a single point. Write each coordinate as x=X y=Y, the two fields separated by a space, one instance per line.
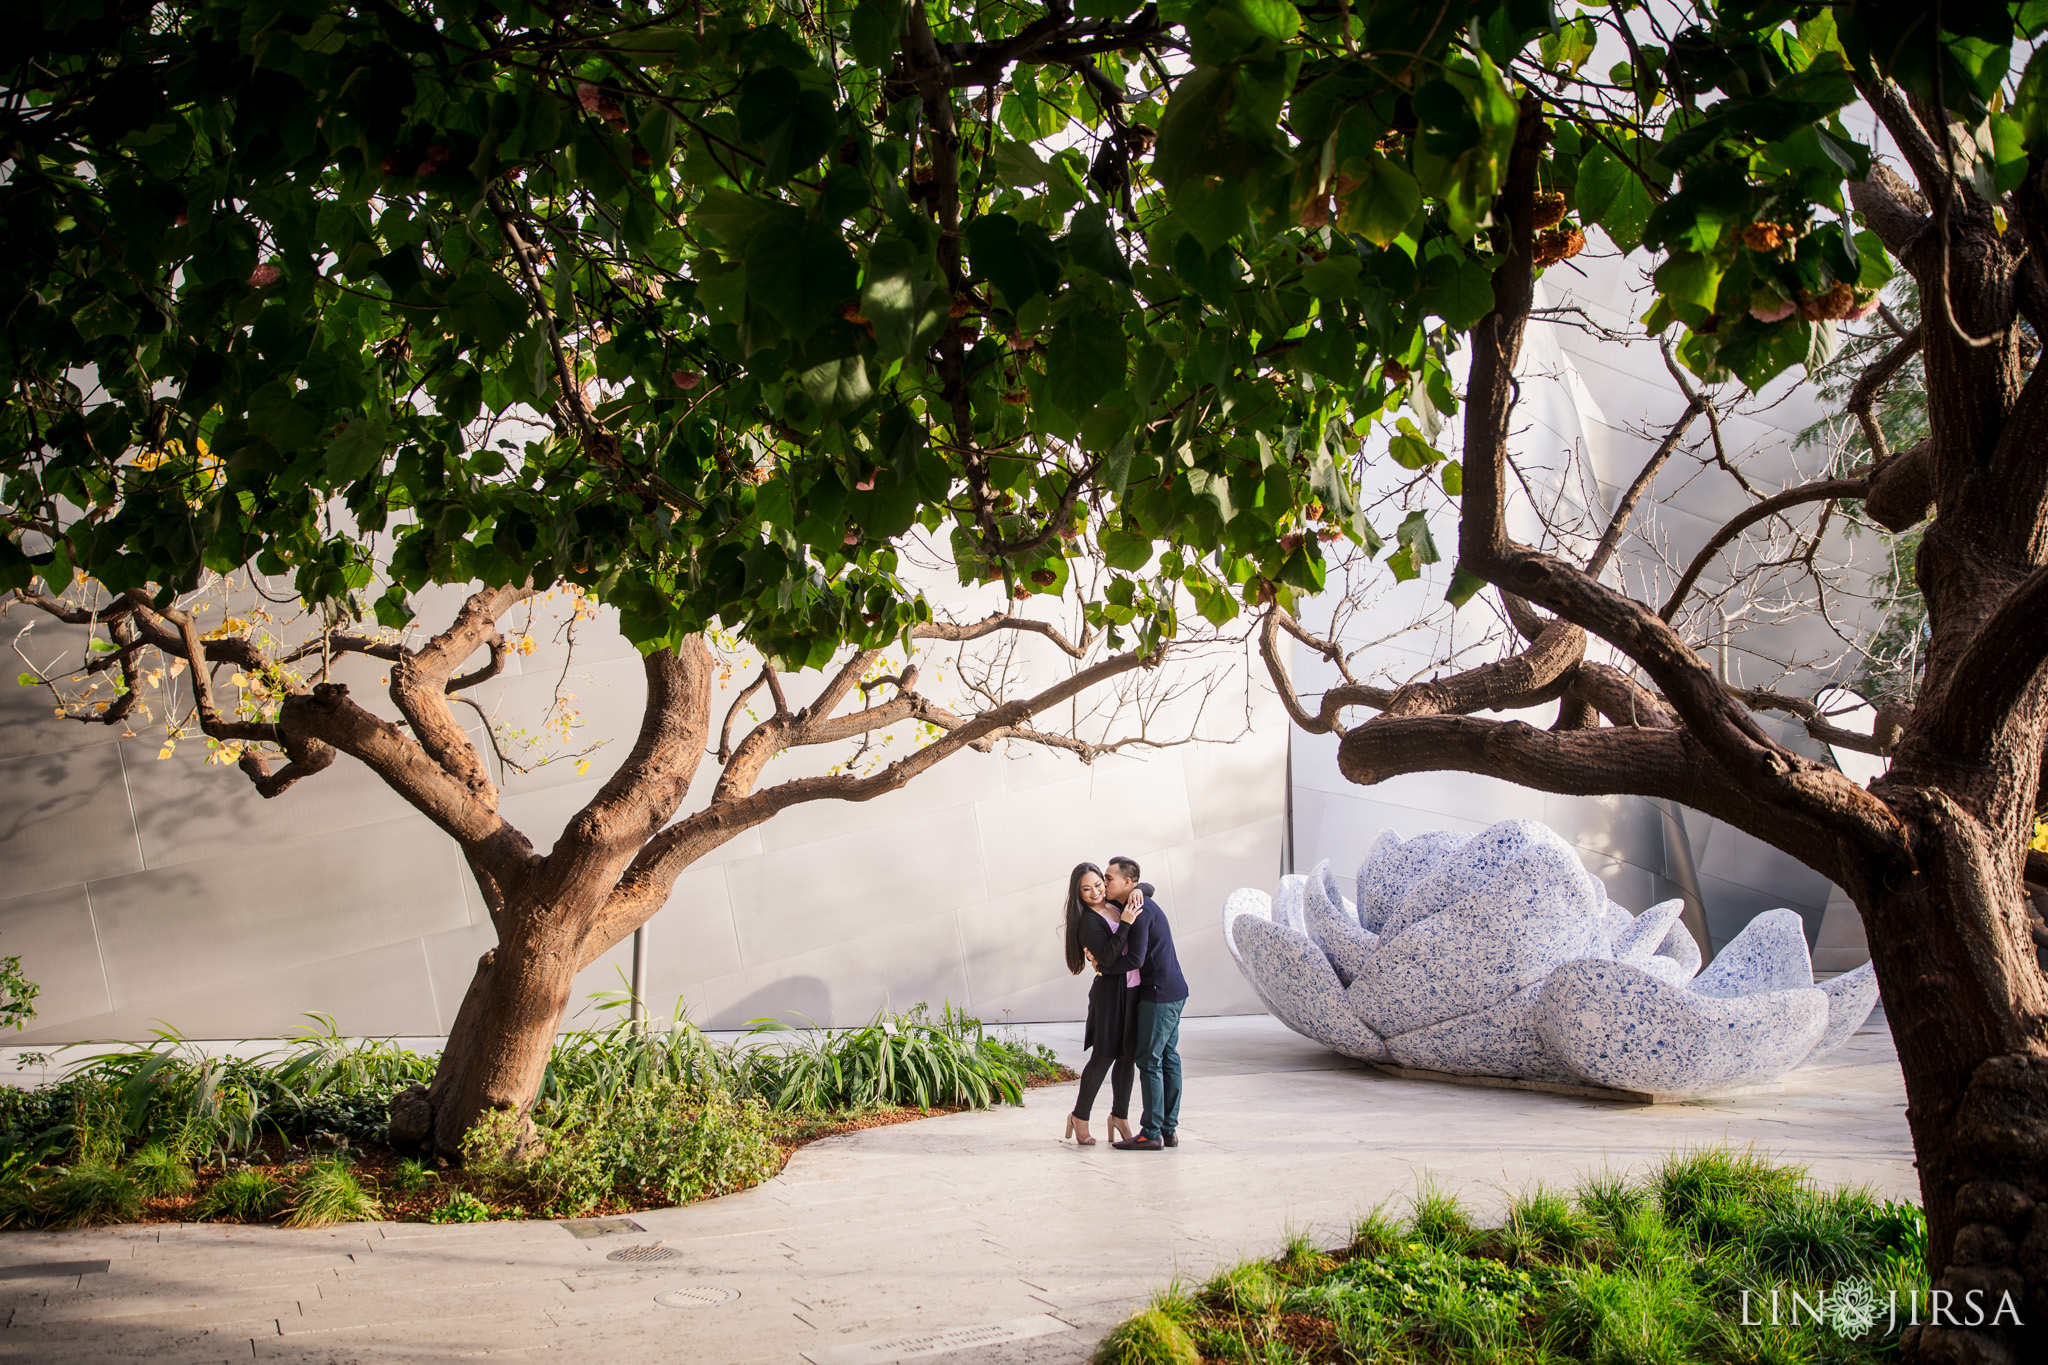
x=381 y=1171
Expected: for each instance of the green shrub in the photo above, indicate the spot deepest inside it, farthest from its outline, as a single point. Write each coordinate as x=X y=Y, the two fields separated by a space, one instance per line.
x=1374 y=1234
x=159 y=1172
x=1252 y=1288
x=1543 y=1227
x=1691 y=1182
x=461 y=1207
x=90 y=1192
x=1630 y=1317
x=413 y=1176
x=909 y=1059
x=666 y=1141
x=244 y=1193
x=1148 y=1338
x=21 y=1204
x=329 y=1193
x=1609 y=1199
x=1438 y=1219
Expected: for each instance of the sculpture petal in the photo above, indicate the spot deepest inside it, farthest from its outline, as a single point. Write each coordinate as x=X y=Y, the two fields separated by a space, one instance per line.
x=1647 y=932
x=1287 y=902
x=1247 y=900
x=1293 y=975
x=1500 y=1040
x=1369 y=876
x=1331 y=927
x=1386 y=879
x=1617 y=1025
x=1514 y=904
x=1851 y=998
x=1681 y=947
x=1768 y=955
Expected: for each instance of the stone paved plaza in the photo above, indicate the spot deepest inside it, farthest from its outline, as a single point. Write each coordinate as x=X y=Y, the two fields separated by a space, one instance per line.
x=929 y=1240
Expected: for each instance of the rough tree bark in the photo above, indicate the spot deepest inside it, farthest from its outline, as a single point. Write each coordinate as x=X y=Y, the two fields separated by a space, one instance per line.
x=1934 y=853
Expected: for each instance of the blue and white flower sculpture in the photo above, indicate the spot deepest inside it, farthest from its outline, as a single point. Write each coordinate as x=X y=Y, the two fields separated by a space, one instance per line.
x=1498 y=954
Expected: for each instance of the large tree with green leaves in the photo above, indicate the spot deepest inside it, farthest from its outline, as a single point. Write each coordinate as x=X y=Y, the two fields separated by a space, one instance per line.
x=1481 y=140
x=699 y=312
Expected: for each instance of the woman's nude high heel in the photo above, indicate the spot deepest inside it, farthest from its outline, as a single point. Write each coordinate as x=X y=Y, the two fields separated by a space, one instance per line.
x=1077 y=1129
x=1119 y=1129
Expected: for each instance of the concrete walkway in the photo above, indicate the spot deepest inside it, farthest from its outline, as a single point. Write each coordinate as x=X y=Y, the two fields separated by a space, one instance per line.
x=972 y=1237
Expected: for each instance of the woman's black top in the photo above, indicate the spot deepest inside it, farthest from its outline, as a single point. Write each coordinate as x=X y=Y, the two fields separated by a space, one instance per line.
x=1112 y=1006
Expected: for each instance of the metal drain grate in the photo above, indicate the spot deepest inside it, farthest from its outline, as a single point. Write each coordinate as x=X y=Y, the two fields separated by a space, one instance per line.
x=638 y=1255
x=696 y=1296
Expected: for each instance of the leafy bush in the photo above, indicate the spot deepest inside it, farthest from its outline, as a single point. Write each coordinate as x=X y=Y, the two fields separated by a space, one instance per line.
x=243 y=1193
x=159 y=1172
x=665 y=1141
x=413 y=1176
x=1629 y=1272
x=908 y=1059
x=461 y=1207
x=329 y=1193
x=87 y=1193
x=1149 y=1338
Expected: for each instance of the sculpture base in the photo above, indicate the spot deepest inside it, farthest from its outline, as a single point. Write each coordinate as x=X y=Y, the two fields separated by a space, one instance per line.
x=1576 y=1089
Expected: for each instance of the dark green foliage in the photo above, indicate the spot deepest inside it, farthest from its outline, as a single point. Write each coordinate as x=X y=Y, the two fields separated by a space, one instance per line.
x=461 y=1207
x=242 y=1194
x=1623 y=1273
x=1149 y=1338
x=626 y=1115
x=906 y=1059
x=663 y=1142
x=329 y=1192
x=87 y=1193
x=160 y=1172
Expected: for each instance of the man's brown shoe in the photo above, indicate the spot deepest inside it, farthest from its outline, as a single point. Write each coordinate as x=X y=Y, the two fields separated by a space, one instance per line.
x=1170 y=1139
x=1141 y=1143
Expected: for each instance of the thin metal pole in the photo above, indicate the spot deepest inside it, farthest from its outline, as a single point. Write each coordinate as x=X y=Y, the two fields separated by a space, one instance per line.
x=640 y=978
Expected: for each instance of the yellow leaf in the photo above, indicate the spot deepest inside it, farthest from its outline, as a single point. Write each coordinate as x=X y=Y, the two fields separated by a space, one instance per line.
x=165 y=752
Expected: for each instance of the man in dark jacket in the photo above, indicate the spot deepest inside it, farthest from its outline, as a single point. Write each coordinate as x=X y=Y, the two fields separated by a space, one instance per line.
x=1162 y=992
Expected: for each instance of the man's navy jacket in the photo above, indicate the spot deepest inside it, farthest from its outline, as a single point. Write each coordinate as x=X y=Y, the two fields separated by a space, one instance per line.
x=1151 y=952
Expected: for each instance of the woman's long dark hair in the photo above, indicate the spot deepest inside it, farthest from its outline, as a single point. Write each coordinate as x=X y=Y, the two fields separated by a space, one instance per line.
x=1076 y=907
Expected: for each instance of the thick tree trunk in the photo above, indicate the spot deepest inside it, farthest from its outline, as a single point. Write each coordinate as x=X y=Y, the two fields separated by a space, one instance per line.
x=499 y=1045
x=1965 y=997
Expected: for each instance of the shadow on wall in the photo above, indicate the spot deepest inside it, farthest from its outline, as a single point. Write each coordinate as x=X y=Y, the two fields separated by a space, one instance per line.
x=799 y=1000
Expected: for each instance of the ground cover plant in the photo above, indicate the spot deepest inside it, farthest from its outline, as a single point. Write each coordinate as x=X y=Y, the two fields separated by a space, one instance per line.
x=1645 y=1271
x=630 y=1116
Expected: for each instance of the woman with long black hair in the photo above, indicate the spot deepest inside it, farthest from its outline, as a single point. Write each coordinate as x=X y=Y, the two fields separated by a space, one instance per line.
x=1097 y=933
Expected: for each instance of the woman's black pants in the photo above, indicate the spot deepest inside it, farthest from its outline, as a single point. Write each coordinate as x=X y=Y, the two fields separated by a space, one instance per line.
x=1106 y=1059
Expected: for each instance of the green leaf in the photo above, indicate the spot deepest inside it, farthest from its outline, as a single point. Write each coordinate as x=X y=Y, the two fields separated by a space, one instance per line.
x=1084 y=359
x=1463 y=586
x=734 y=218
x=1017 y=258
x=1402 y=563
x=1414 y=537
x=1458 y=289
x=28 y=680
x=873 y=31
x=1124 y=551
x=1453 y=476
x=104 y=316
x=1385 y=202
x=794 y=124
x=358 y=450
x=1092 y=244
x=1018 y=164
x=838 y=386
x=484 y=304
x=800 y=272
x=907 y=309
x=1614 y=196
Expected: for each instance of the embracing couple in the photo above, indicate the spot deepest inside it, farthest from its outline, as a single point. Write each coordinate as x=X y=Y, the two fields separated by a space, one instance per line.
x=1134 y=1003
